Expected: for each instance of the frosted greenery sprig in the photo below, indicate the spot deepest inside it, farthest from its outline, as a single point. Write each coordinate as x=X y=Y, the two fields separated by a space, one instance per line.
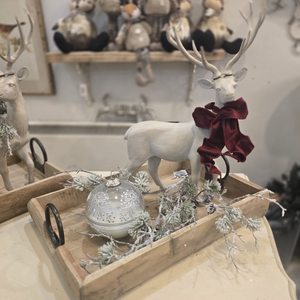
x=92 y=180
x=140 y=223
x=7 y=134
x=224 y=224
x=212 y=189
x=85 y=182
x=188 y=188
x=141 y=180
x=212 y=186
x=82 y=182
x=107 y=253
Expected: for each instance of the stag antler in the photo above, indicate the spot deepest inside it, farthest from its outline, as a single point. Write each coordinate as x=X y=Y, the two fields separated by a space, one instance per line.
x=202 y=62
x=23 y=44
x=252 y=32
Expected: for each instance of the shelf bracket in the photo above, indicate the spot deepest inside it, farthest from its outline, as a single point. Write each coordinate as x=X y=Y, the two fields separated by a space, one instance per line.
x=190 y=96
x=83 y=70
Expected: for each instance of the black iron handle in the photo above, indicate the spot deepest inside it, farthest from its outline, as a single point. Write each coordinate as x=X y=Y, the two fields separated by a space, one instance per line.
x=57 y=241
x=221 y=180
x=40 y=166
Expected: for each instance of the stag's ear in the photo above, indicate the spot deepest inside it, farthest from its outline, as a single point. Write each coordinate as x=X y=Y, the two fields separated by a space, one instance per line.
x=206 y=83
x=23 y=73
x=240 y=75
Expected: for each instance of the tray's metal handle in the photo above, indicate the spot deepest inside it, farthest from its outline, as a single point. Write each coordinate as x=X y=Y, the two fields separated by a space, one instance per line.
x=57 y=241
x=40 y=166
x=221 y=180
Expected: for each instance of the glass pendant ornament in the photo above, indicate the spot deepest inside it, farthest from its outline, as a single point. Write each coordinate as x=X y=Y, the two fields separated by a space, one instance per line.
x=112 y=205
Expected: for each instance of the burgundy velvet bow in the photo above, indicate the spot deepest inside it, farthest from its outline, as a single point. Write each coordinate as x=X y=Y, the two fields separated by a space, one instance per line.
x=225 y=131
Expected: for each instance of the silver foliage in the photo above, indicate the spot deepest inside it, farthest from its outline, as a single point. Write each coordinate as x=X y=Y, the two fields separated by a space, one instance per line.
x=223 y=224
x=7 y=134
x=106 y=253
x=253 y=224
x=85 y=182
x=141 y=180
x=140 y=223
x=176 y=209
x=212 y=186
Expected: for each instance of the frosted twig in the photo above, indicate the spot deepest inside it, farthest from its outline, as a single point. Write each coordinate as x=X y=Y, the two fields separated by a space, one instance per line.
x=258 y=195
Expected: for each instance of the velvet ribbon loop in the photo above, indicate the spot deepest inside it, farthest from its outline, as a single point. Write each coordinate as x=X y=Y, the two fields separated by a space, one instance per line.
x=225 y=131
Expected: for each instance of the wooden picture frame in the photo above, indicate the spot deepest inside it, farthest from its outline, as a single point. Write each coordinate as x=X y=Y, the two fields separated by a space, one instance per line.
x=40 y=79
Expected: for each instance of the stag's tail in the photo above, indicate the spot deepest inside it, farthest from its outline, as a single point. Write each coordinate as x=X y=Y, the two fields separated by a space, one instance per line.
x=127 y=134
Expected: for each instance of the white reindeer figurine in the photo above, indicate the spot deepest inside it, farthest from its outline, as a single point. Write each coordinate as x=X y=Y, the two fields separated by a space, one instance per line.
x=153 y=140
x=16 y=111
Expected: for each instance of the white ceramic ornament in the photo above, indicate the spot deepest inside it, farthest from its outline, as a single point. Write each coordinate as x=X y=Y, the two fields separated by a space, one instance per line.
x=16 y=110
x=154 y=141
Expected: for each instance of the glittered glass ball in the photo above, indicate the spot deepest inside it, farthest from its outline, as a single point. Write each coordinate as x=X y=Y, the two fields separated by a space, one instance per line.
x=112 y=205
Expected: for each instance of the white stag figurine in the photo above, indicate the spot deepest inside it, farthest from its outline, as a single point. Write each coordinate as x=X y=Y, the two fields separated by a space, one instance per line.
x=154 y=140
x=17 y=117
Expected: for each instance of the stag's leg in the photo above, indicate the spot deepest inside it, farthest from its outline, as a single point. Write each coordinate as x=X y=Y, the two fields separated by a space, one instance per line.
x=153 y=163
x=5 y=173
x=133 y=165
x=195 y=168
x=24 y=155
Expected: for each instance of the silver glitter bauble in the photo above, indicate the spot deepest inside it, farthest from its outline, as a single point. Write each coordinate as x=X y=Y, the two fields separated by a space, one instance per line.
x=111 y=206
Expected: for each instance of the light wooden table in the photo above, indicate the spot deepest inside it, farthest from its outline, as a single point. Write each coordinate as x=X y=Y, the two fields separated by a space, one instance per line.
x=27 y=270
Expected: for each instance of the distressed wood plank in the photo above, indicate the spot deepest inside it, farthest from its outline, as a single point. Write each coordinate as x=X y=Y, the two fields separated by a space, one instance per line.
x=124 y=57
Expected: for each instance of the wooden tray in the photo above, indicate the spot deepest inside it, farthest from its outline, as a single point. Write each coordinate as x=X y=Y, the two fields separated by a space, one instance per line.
x=114 y=280
x=14 y=203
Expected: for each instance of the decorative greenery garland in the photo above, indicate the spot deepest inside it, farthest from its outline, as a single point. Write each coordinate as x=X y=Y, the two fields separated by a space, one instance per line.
x=176 y=209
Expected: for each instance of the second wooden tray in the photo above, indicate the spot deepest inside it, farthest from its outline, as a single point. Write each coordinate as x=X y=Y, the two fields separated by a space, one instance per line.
x=14 y=203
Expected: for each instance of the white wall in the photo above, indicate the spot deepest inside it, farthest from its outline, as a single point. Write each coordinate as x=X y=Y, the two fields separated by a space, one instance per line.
x=271 y=89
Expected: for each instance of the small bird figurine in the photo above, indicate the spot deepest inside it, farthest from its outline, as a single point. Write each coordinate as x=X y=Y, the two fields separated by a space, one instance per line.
x=6 y=29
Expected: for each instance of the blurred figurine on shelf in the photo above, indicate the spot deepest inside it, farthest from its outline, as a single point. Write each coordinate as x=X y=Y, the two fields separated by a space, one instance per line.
x=113 y=10
x=211 y=32
x=215 y=126
x=14 y=124
x=156 y=12
x=77 y=31
x=6 y=29
x=125 y=112
x=135 y=32
x=294 y=26
x=179 y=18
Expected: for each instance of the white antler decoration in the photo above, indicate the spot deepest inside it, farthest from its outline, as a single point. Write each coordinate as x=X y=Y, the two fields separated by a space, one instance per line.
x=202 y=62
x=252 y=32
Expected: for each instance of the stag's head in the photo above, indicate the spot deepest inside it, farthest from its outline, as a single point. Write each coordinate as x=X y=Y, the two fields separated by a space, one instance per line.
x=9 y=80
x=224 y=83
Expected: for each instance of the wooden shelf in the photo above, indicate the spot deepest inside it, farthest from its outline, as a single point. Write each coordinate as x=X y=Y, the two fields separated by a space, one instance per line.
x=124 y=57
